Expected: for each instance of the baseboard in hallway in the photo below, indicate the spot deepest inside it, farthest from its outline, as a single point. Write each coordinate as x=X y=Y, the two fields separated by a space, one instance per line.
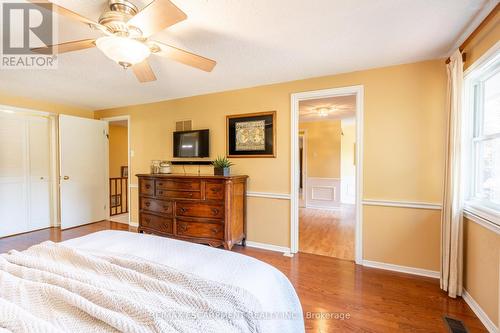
x=122 y=218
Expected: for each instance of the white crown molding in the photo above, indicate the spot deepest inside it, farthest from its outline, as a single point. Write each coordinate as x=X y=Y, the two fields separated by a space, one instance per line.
x=269 y=247
x=269 y=195
x=403 y=204
x=476 y=308
x=402 y=269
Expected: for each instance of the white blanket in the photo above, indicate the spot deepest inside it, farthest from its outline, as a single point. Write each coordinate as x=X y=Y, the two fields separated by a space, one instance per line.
x=280 y=303
x=56 y=288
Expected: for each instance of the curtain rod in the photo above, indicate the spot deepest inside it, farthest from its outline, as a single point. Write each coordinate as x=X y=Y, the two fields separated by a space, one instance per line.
x=480 y=27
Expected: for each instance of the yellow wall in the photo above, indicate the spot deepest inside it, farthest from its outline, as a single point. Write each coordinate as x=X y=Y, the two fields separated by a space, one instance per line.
x=118 y=150
x=403 y=151
x=323 y=148
x=482 y=246
x=347 y=150
x=22 y=102
x=481 y=267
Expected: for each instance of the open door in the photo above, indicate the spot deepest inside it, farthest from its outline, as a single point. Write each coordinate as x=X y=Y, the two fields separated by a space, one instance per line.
x=83 y=170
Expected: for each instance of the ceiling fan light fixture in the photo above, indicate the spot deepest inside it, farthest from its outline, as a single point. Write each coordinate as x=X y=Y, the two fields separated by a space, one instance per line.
x=122 y=50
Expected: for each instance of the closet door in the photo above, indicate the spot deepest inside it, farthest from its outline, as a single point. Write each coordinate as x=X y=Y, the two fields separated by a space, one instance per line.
x=13 y=174
x=39 y=173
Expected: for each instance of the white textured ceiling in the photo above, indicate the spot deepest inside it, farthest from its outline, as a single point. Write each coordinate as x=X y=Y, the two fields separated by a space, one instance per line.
x=342 y=107
x=254 y=42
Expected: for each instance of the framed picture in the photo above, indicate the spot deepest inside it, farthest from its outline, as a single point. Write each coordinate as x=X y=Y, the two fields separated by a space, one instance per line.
x=251 y=135
x=124 y=172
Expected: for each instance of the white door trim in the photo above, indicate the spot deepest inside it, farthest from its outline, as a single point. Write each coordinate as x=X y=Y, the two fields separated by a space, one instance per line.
x=127 y=118
x=304 y=166
x=294 y=161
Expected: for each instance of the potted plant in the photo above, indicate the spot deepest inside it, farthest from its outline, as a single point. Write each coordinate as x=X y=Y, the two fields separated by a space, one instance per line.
x=222 y=166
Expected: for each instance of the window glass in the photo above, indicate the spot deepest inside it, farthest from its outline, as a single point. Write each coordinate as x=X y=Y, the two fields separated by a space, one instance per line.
x=491 y=117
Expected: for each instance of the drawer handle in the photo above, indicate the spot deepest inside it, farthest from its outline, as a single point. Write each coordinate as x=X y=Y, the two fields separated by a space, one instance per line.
x=166 y=207
x=147 y=220
x=183 y=210
x=182 y=227
x=160 y=192
x=160 y=184
x=215 y=189
x=148 y=186
x=215 y=211
x=147 y=204
x=214 y=230
x=190 y=194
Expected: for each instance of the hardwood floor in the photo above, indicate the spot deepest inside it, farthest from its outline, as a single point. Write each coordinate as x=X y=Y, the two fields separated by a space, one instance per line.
x=328 y=233
x=369 y=300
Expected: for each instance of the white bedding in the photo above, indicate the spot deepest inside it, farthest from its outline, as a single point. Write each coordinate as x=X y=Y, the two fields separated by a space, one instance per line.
x=279 y=302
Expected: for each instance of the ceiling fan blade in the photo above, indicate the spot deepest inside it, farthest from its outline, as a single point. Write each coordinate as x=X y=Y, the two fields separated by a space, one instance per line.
x=158 y=15
x=185 y=57
x=144 y=72
x=66 y=47
x=67 y=13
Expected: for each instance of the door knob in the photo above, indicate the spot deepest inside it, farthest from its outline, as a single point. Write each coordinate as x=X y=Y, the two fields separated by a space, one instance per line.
x=65 y=177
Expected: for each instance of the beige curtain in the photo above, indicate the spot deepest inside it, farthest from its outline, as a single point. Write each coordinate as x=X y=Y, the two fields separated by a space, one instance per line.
x=451 y=218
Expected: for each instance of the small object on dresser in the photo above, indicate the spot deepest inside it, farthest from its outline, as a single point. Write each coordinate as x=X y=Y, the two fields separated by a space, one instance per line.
x=222 y=166
x=155 y=166
x=165 y=167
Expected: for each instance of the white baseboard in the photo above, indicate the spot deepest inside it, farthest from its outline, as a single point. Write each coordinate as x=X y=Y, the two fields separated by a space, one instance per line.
x=269 y=247
x=402 y=269
x=133 y=224
x=476 y=308
x=335 y=209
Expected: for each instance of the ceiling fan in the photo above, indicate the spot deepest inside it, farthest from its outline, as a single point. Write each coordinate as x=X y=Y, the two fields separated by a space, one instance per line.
x=127 y=31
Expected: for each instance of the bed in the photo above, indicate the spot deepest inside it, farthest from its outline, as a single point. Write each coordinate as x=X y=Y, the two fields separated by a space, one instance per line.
x=246 y=294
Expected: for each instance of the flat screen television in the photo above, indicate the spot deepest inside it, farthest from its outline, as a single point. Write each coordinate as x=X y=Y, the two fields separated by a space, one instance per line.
x=191 y=143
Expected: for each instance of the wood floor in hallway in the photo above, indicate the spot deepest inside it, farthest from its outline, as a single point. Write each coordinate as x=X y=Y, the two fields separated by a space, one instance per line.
x=328 y=232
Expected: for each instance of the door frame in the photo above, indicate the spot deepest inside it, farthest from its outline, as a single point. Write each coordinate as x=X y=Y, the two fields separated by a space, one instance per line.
x=296 y=98
x=129 y=160
x=55 y=220
x=304 y=165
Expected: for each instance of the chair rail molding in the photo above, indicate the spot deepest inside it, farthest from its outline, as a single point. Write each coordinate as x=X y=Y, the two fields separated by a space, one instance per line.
x=403 y=204
x=269 y=195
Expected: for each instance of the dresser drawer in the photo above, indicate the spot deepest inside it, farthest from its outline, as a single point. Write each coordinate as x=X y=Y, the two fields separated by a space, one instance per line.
x=167 y=194
x=194 y=209
x=146 y=187
x=200 y=229
x=214 y=191
x=158 y=206
x=183 y=185
x=157 y=223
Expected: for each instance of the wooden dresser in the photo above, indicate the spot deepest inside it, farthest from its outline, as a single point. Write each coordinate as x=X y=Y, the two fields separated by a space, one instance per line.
x=202 y=209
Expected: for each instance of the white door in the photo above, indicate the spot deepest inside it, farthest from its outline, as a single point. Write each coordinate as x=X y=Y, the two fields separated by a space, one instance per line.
x=40 y=181
x=83 y=170
x=13 y=173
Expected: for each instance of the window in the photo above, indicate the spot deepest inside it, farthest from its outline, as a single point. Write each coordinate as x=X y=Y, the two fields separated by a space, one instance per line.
x=483 y=125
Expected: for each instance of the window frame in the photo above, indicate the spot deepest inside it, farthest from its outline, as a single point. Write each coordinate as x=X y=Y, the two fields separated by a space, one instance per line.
x=473 y=133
